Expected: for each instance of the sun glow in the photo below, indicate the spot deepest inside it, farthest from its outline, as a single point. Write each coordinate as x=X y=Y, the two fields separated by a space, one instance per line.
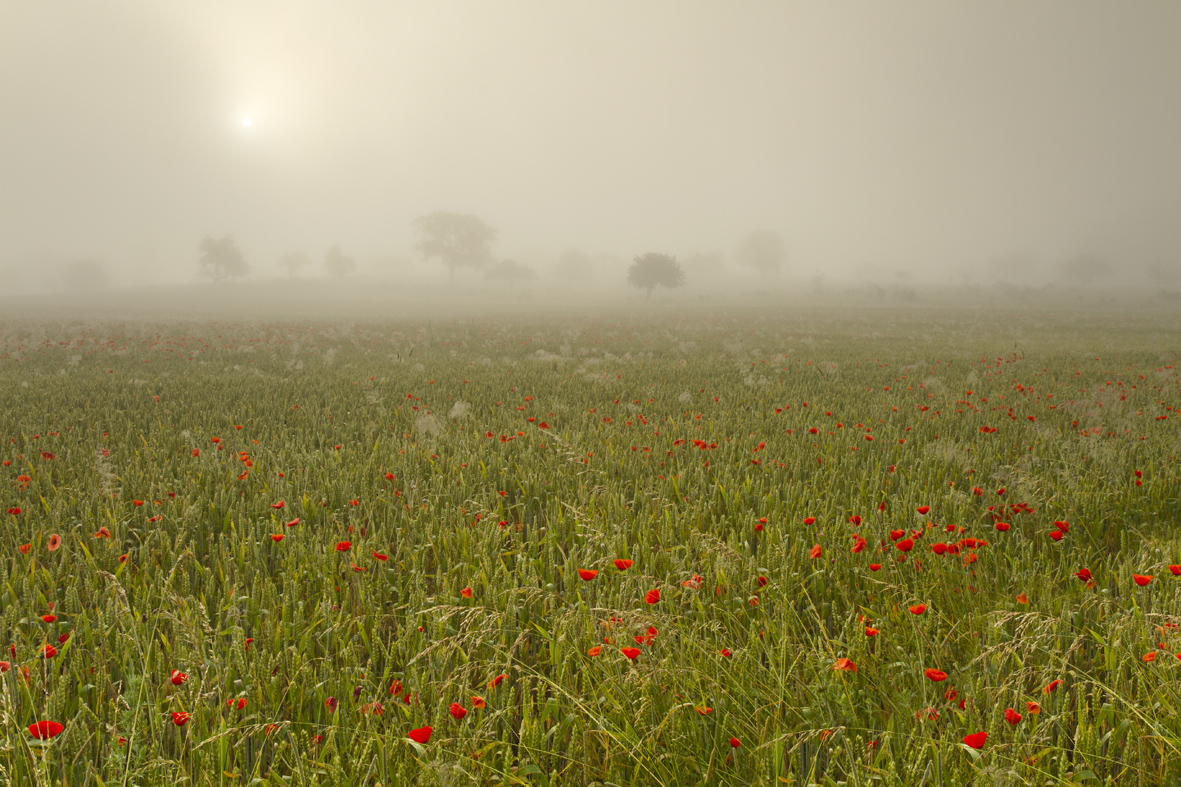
x=246 y=122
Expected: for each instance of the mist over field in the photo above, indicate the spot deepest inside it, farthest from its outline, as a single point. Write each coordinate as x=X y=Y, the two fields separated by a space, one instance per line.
x=899 y=152
x=663 y=393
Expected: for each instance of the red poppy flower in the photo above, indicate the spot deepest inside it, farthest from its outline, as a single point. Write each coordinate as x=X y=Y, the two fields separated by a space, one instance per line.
x=623 y=564
x=1002 y=526
x=725 y=652
x=845 y=665
x=1175 y=570
x=976 y=740
x=180 y=718
x=1149 y=657
x=923 y=509
x=1056 y=535
x=652 y=596
x=1142 y=579
x=543 y=425
x=64 y=638
x=905 y=544
x=704 y=710
x=241 y=702
x=177 y=677
x=1033 y=707
x=380 y=556
x=815 y=552
x=596 y=650
x=478 y=702
x=422 y=735
x=631 y=653
x=870 y=632
x=280 y=504
x=809 y=520
x=49 y=618
x=496 y=681
x=855 y=519
x=735 y=743
x=330 y=704
x=48 y=651
x=277 y=537
x=44 y=730
x=354 y=503
x=343 y=546
x=293 y=522
x=587 y=574
x=918 y=609
x=246 y=643
x=1054 y=684
x=935 y=674
x=466 y=592
x=1084 y=574
x=875 y=566
x=457 y=711
x=55 y=541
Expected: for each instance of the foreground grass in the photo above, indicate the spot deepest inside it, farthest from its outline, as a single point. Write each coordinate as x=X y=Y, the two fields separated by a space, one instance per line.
x=495 y=460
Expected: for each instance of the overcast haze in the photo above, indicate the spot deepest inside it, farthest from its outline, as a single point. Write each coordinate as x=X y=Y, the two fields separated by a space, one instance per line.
x=891 y=136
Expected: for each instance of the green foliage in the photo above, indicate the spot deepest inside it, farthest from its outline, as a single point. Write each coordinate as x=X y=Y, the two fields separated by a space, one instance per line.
x=503 y=457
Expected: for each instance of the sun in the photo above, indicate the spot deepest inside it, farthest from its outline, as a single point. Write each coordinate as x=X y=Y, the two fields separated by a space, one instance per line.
x=246 y=122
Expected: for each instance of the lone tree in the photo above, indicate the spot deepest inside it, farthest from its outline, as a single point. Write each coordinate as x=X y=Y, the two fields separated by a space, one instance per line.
x=763 y=251
x=221 y=258
x=510 y=273
x=338 y=263
x=655 y=270
x=457 y=239
x=293 y=261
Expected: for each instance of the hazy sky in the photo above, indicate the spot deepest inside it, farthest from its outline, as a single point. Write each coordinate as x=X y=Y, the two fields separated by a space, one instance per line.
x=901 y=135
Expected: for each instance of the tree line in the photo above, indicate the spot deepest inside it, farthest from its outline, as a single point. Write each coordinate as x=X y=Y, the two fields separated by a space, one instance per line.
x=465 y=241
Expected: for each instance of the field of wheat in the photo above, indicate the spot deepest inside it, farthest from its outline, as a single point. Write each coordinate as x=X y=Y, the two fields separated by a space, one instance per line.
x=881 y=548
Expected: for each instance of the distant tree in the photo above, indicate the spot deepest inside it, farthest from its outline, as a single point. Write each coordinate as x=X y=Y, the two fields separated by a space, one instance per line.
x=510 y=272
x=652 y=270
x=1086 y=268
x=763 y=251
x=339 y=264
x=293 y=261
x=458 y=240
x=1162 y=274
x=85 y=276
x=573 y=265
x=704 y=266
x=221 y=258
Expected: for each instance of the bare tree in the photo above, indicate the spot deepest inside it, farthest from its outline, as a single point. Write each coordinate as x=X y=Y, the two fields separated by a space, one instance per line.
x=763 y=251
x=221 y=258
x=293 y=261
x=338 y=263
x=458 y=240
x=653 y=270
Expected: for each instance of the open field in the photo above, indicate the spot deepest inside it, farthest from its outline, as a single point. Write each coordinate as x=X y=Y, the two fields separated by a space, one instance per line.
x=832 y=548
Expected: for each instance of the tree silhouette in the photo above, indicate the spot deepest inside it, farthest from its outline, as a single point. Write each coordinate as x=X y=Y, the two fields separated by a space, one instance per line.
x=293 y=261
x=339 y=264
x=221 y=258
x=763 y=251
x=653 y=270
x=510 y=272
x=458 y=240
